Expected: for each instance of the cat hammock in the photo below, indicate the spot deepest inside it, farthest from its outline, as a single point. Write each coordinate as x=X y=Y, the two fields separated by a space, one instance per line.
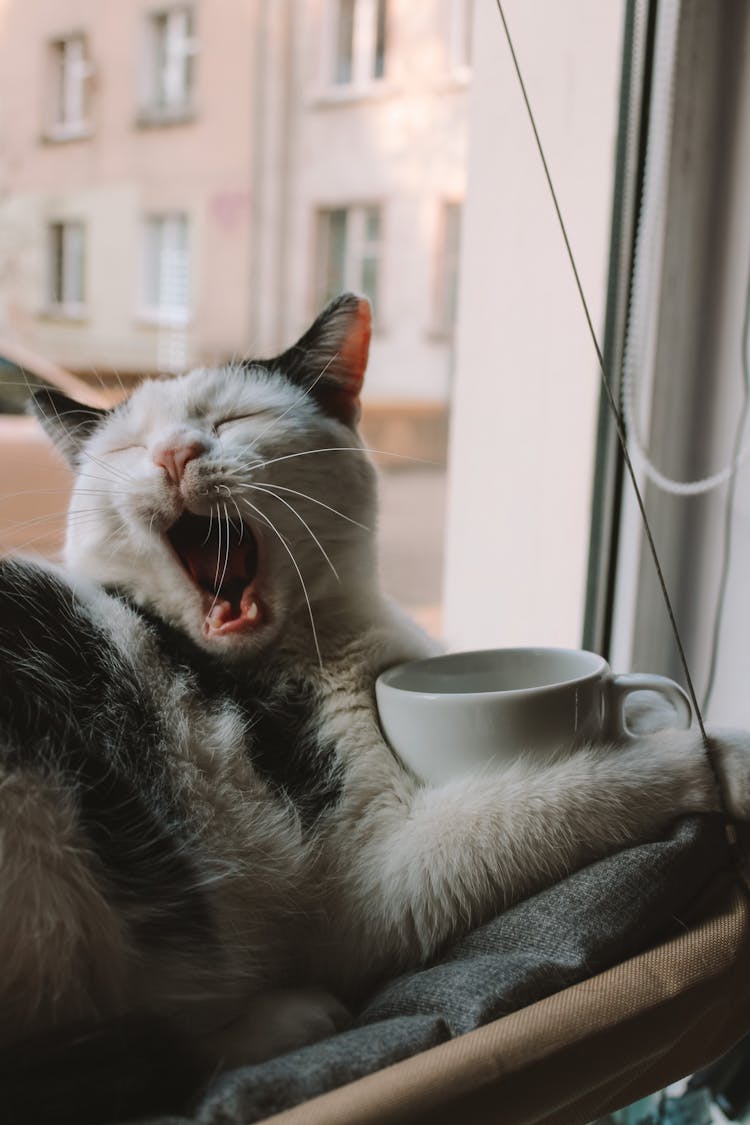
x=581 y=1038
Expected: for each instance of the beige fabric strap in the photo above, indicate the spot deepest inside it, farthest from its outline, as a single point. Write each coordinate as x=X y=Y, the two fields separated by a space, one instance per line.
x=577 y=1054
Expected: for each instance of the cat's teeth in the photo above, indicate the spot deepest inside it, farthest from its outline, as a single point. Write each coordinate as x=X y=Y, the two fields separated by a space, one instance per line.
x=216 y=614
x=251 y=613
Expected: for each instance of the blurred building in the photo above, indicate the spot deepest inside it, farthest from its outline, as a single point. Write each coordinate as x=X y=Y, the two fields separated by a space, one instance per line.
x=186 y=183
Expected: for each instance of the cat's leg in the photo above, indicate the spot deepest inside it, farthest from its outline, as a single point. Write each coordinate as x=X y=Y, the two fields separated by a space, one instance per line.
x=277 y=1021
x=432 y=862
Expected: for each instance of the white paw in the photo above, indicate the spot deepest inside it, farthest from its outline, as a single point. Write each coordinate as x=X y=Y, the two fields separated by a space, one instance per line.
x=280 y=1020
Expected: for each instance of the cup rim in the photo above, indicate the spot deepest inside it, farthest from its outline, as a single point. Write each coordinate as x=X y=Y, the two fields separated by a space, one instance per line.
x=386 y=679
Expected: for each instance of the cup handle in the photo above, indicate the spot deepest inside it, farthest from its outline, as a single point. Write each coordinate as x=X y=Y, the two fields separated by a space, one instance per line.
x=620 y=687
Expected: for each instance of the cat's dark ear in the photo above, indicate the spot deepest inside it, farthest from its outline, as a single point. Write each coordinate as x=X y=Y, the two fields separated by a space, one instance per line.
x=329 y=361
x=69 y=423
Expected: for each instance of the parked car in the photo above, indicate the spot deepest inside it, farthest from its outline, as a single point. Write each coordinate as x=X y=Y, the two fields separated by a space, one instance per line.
x=34 y=480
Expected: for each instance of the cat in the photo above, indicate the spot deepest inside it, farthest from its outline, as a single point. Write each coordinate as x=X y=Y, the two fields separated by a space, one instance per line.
x=200 y=822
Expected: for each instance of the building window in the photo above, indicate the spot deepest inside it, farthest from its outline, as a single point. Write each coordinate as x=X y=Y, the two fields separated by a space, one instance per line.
x=70 y=71
x=358 y=32
x=460 y=25
x=349 y=252
x=66 y=251
x=166 y=269
x=169 y=71
x=446 y=280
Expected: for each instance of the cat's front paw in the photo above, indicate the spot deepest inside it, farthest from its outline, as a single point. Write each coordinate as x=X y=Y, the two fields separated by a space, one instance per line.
x=732 y=748
x=278 y=1021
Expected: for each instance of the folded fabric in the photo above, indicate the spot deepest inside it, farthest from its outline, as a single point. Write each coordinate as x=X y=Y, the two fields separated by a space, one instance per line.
x=595 y=918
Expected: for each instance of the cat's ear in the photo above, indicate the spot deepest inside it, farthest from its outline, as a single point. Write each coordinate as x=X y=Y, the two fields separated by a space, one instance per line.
x=329 y=361
x=69 y=423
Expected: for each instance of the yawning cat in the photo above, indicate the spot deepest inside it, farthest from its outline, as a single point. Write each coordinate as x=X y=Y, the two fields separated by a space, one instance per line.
x=199 y=819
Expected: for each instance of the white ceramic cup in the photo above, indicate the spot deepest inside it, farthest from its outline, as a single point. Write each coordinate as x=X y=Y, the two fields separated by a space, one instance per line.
x=451 y=714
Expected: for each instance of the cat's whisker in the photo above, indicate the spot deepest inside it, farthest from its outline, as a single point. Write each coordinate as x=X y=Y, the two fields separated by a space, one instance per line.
x=281 y=500
x=239 y=517
x=313 y=500
x=93 y=476
x=225 y=490
x=287 y=548
x=220 y=582
x=119 y=473
x=341 y=449
x=306 y=392
x=90 y=518
x=218 y=551
x=50 y=517
x=88 y=454
x=58 y=491
x=210 y=527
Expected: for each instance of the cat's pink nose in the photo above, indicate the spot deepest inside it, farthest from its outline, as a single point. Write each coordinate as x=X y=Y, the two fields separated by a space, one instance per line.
x=173 y=457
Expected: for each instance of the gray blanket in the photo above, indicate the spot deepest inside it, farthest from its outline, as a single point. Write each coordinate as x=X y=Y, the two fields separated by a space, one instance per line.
x=597 y=917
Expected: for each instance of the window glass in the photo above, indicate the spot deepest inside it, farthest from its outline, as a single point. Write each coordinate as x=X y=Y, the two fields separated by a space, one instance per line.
x=70 y=71
x=172 y=51
x=344 y=58
x=447 y=268
x=378 y=69
x=66 y=264
x=167 y=267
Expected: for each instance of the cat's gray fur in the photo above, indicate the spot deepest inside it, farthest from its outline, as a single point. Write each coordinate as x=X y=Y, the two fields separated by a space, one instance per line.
x=206 y=824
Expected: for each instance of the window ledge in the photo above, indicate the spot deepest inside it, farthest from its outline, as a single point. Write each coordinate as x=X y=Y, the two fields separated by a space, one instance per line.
x=63 y=134
x=455 y=80
x=154 y=117
x=350 y=94
x=162 y=318
x=72 y=314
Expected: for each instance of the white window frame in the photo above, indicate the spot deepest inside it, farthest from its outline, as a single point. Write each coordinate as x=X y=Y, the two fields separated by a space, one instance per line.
x=359 y=246
x=68 y=238
x=684 y=347
x=166 y=269
x=70 y=71
x=363 y=79
x=168 y=82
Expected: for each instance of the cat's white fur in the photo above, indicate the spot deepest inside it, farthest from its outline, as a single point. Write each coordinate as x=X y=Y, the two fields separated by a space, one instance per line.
x=397 y=868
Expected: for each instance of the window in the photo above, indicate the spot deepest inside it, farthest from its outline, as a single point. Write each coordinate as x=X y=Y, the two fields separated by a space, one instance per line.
x=446 y=288
x=71 y=70
x=349 y=247
x=359 y=38
x=169 y=69
x=66 y=249
x=166 y=272
x=461 y=18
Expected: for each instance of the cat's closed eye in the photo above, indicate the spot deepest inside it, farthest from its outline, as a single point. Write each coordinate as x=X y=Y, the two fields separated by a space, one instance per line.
x=125 y=448
x=239 y=418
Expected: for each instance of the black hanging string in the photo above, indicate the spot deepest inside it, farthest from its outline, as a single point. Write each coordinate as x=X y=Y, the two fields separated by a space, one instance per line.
x=731 y=831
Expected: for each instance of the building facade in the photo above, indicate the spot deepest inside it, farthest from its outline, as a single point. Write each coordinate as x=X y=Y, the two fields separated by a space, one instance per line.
x=186 y=183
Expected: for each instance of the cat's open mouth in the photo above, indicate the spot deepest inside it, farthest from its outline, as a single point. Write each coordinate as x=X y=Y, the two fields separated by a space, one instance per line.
x=221 y=558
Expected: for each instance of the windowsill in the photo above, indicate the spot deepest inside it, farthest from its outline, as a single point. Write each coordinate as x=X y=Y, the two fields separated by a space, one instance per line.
x=154 y=117
x=162 y=318
x=457 y=79
x=349 y=93
x=63 y=134
x=71 y=314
